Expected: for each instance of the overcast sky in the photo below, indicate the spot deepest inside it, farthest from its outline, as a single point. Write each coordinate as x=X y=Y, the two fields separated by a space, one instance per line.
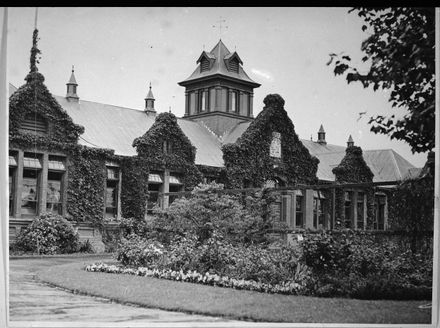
x=118 y=51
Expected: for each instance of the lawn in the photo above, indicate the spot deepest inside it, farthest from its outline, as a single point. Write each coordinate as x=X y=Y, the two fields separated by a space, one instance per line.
x=227 y=302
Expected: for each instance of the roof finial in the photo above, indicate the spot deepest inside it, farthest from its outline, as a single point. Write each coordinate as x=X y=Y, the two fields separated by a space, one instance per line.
x=150 y=85
x=36 y=18
x=73 y=68
x=169 y=111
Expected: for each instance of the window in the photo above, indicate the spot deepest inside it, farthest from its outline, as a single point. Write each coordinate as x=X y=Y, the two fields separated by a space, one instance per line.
x=111 y=192
x=34 y=123
x=192 y=103
x=275 y=145
x=299 y=216
x=379 y=208
x=360 y=210
x=54 y=193
x=234 y=101
x=203 y=100
x=318 y=213
x=155 y=184
x=347 y=209
x=168 y=147
x=211 y=99
x=29 y=192
x=233 y=65
x=204 y=65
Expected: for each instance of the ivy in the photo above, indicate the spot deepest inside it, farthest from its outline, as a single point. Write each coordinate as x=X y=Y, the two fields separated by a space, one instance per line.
x=134 y=189
x=181 y=159
x=248 y=161
x=354 y=169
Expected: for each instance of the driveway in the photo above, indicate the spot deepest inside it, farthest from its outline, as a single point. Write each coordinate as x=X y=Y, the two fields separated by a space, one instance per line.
x=31 y=300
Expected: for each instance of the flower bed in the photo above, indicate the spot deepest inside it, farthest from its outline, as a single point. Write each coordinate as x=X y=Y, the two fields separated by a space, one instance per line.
x=288 y=287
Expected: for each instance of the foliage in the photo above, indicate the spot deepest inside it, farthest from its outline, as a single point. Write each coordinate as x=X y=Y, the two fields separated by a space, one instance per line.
x=354 y=169
x=248 y=160
x=34 y=98
x=400 y=50
x=180 y=155
x=354 y=264
x=411 y=206
x=48 y=234
x=139 y=251
x=86 y=247
x=134 y=188
x=85 y=193
x=208 y=212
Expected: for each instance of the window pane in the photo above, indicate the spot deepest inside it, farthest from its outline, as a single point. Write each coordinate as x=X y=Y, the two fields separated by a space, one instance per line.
x=29 y=193
x=53 y=201
x=233 y=101
x=11 y=191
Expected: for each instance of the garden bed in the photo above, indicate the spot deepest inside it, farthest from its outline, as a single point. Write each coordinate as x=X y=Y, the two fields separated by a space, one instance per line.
x=230 y=303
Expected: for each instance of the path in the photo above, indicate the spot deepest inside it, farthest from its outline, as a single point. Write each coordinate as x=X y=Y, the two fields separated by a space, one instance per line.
x=30 y=300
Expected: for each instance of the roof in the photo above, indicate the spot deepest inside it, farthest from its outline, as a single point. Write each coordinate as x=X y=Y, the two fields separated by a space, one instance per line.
x=72 y=79
x=114 y=127
x=218 y=55
x=150 y=94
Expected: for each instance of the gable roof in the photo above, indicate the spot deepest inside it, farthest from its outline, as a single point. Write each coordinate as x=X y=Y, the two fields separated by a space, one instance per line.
x=114 y=127
x=218 y=55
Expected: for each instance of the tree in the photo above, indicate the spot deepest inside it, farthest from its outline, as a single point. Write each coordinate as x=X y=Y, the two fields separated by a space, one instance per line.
x=401 y=54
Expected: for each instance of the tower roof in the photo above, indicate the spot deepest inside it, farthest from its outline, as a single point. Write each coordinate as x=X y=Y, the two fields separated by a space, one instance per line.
x=350 y=139
x=219 y=57
x=321 y=129
x=150 y=94
x=72 y=79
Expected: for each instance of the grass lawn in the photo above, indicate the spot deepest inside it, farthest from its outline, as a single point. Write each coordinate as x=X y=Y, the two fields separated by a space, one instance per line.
x=226 y=302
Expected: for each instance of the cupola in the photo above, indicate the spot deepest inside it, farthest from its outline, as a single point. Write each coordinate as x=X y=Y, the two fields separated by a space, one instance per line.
x=149 y=102
x=71 y=87
x=350 y=142
x=321 y=136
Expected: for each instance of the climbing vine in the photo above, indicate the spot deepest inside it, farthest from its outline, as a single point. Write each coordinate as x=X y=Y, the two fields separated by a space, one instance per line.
x=165 y=146
x=248 y=161
x=354 y=169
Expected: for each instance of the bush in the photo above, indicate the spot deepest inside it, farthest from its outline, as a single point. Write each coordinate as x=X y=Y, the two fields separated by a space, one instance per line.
x=353 y=264
x=138 y=251
x=48 y=234
x=86 y=247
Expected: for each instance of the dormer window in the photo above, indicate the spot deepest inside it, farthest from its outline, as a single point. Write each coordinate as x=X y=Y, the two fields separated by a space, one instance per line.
x=204 y=64
x=34 y=123
x=233 y=65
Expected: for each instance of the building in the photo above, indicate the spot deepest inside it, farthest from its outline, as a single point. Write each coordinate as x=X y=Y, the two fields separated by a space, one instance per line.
x=93 y=162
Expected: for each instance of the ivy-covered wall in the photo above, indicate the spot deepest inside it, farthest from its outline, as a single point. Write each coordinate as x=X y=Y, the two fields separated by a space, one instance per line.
x=85 y=166
x=180 y=159
x=248 y=161
x=354 y=169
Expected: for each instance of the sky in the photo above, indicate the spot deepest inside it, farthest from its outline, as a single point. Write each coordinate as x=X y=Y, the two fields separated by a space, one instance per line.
x=117 y=52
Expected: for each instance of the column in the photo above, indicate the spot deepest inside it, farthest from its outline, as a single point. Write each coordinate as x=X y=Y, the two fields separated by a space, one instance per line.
x=119 y=193
x=43 y=185
x=18 y=184
x=308 y=208
x=365 y=210
x=197 y=99
x=186 y=103
x=166 y=188
x=385 y=214
x=64 y=186
x=251 y=104
x=218 y=95
x=240 y=101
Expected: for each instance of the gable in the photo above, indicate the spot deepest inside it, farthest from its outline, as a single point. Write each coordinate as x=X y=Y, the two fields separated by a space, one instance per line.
x=34 y=111
x=257 y=157
x=353 y=167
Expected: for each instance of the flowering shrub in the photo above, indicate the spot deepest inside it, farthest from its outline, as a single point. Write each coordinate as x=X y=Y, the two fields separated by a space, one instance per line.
x=138 y=251
x=288 y=287
x=48 y=234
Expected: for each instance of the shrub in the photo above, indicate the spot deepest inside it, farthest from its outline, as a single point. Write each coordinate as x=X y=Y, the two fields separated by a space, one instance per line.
x=86 y=247
x=138 y=251
x=353 y=264
x=48 y=234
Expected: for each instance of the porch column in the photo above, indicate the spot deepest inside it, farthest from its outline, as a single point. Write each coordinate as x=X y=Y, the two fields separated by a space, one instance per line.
x=43 y=187
x=166 y=188
x=308 y=208
x=18 y=184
